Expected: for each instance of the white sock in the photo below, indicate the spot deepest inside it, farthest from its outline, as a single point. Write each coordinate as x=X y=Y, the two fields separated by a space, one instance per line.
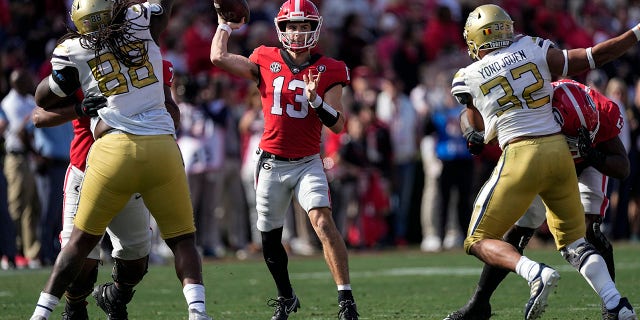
x=594 y=270
x=610 y=295
x=46 y=304
x=194 y=294
x=344 y=287
x=528 y=269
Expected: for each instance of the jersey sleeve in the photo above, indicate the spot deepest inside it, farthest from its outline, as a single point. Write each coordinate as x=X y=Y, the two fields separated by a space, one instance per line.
x=167 y=73
x=459 y=87
x=64 y=79
x=337 y=73
x=256 y=55
x=611 y=121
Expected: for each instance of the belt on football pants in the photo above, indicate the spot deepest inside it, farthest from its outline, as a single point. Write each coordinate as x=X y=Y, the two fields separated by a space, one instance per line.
x=269 y=155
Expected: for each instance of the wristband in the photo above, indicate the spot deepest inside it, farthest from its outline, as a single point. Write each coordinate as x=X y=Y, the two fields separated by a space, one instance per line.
x=592 y=63
x=636 y=31
x=327 y=114
x=317 y=102
x=565 y=69
x=225 y=27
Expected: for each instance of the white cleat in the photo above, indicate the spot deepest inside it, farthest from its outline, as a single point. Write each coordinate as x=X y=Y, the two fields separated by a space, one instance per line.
x=541 y=286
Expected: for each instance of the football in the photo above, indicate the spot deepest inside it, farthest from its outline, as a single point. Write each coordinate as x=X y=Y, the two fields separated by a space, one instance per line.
x=232 y=10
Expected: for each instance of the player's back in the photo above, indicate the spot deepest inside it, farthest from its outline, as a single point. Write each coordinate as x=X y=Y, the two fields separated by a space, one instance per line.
x=511 y=88
x=135 y=93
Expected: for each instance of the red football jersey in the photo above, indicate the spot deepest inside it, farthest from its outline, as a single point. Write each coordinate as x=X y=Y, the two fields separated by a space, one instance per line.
x=82 y=137
x=292 y=128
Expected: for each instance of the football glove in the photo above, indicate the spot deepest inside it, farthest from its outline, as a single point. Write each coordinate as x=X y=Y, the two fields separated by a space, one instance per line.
x=475 y=141
x=90 y=105
x=590 y=154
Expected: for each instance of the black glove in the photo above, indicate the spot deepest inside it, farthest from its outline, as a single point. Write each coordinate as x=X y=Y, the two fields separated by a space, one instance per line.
x=90 y=106
x=590 y=154
x=475 y=141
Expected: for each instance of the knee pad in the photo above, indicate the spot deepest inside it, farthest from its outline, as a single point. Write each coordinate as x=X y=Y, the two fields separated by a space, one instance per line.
x=601 y=243
x=519 y=237
x=129 y=272
x=577 y=256
x=79 y=289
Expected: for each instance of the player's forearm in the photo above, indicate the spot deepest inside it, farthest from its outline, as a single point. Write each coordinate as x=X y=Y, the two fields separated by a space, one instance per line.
x=53 y=117
x=614 y=166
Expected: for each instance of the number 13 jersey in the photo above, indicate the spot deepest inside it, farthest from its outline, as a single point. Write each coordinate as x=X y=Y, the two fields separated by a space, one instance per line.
x=292 y=129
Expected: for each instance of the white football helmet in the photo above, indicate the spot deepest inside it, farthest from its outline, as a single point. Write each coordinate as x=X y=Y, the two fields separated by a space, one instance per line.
x=298 y=11
x=487 y=27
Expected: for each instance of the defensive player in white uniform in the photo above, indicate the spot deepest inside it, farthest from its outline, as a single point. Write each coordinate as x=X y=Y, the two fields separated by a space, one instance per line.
x=115 y=54
x=508 y=92
x=575 y=105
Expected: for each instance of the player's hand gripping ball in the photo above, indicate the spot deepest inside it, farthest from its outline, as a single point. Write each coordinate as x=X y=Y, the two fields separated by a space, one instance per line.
x=232 y=10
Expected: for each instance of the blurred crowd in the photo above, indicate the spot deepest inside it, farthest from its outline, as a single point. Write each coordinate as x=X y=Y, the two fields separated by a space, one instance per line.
x=400 y=173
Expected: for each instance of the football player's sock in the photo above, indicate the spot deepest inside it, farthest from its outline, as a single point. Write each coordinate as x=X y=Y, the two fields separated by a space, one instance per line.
x=46 y=304
x=194 y=293
x=610 y=295
x=594 y=270
x=527 y=269
x=490 y=278
x=344 y=292
x=275 y=256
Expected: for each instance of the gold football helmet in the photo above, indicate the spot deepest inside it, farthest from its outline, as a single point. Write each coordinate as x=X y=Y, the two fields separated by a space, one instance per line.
x=487 y=27
x=91 y=15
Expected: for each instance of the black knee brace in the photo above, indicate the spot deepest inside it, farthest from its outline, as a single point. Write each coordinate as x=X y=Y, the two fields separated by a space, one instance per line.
x=601 y=243
x=518 y=237
x=129 y=272
x=82 y=286
x=577 y=256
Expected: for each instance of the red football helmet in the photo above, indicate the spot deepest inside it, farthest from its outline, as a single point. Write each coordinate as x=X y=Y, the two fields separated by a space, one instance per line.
x=298 y=11
x=573 y=108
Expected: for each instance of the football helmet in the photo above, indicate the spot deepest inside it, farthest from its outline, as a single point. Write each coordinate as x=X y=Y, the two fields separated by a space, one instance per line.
x=298 y=11
x=91 y=15
x=487 y=27
x=573 y=108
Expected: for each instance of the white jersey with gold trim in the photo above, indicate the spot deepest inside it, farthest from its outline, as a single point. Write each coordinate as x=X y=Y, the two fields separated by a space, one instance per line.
x=135 y=94
x=511 y=87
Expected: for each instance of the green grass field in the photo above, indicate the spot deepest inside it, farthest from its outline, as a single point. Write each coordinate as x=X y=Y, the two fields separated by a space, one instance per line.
x=403 y=284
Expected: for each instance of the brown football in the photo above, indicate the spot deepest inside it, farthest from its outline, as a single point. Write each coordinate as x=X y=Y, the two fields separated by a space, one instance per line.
x=232 y=10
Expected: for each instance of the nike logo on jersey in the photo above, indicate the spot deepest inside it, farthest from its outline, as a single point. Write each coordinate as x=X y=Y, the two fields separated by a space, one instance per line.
x=137 y=196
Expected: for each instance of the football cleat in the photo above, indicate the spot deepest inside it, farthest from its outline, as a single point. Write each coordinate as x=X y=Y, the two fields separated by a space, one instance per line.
x=624 y=311
x=75 y=311
x=197 y=315
x=474 y=312
x=348 y=310
x=541 y=286
x=112 y=301
x=284 y=307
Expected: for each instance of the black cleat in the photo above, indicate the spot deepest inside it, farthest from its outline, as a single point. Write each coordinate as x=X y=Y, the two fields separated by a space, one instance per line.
x=76 y=311
x=348 y=310
x=112 y=301
x=284 y=307
x=474 y=312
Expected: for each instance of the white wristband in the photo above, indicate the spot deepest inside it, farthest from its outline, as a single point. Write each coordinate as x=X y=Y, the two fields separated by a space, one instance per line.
x=636 y=31
x=592 y=63
x=565 y=69
x=225 y=27
x=317 y=102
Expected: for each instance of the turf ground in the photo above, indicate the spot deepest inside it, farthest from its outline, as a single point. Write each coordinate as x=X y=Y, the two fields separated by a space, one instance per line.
x=403 y=284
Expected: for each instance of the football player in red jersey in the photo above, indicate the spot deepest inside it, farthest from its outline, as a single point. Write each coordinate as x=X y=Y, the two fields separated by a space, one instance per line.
x=591 y=123
x=301 y=91
x=129 y=231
